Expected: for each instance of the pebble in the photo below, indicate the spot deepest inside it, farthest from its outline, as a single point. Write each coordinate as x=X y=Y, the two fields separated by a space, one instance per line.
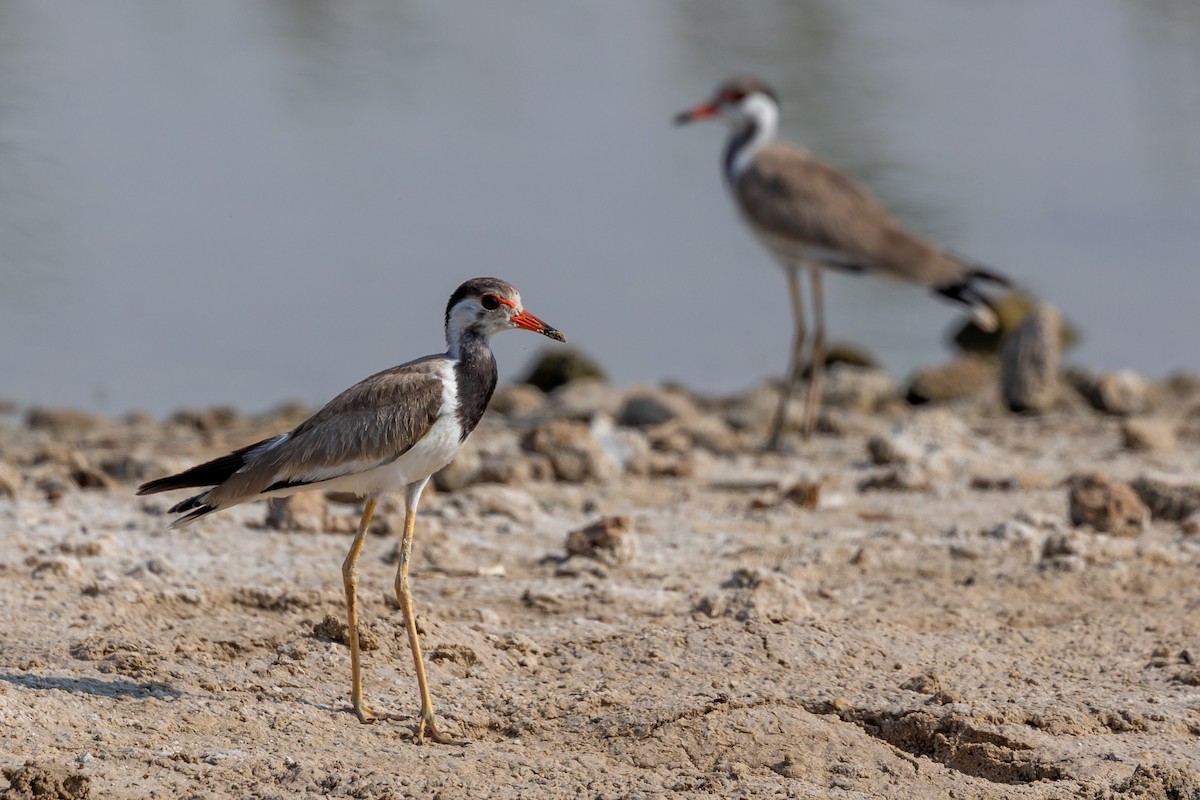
x=63 y=420
x=963 y=377
x=759 y=595
x=1029 y=362
x=562 y=366
x=1168 y=500
x=1106 y=505
x=864 y=389
x=647 y=408
x=306 y=511
x=582 y=400
x=573 y=452
x=609 y=540
x=1149 y=434
x=509 y=501
x=1120 y=393
x=10 y=479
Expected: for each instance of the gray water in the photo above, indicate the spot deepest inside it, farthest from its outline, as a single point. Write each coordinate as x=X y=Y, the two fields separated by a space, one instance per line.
x=247 y=202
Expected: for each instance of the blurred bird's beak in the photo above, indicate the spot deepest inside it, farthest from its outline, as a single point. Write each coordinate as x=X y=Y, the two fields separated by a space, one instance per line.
x=702 y=111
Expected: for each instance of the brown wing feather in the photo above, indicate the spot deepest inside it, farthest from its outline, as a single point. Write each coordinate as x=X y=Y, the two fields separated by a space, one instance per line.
x=789 y=194
x=370 y=424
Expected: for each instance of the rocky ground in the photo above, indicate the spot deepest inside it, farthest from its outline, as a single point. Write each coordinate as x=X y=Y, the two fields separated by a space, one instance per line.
x=620 y=596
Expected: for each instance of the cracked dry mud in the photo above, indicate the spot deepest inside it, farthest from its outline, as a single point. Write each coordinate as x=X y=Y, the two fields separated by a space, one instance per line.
x=899 y=643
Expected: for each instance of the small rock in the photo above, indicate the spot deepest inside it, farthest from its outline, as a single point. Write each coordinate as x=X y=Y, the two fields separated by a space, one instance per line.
x=10 y=479
x=671 y=465
x=963 y=377
x=905 y=478
x=628 y=447
x=518 y=400
x=490 y=498
x=335 y=630
x=806 y=494
x=560 y=366
x=1108 y=506
x=756 y=594
x=207 y=420
x=649 y=407
x=1148 y=434
x=919 y=438
x=46 y=782
x=63 y=420
x=926 y=683
x=1121 y=393
x=306 y=511
x=1169 y=501
x=128 y=469
x=1062 y=552
x=1029 y=362
x=847 y=354
x=583 y=399
x=572 y=450
x=609 y=540
x=709 y=432
x=858 y=388
x=751 y=412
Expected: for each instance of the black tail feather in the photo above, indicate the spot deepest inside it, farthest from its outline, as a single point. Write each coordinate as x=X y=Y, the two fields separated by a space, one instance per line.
x=210 y=473
x=989 y=276
x=187 y=505
x=978 y=272
x=192 y=517
x=967 y=295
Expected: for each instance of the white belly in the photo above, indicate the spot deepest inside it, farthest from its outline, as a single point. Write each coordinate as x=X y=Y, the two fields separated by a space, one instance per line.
x=437 y=449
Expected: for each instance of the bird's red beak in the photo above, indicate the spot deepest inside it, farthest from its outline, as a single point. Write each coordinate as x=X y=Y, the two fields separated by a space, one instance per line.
x=531 y=323
x=702 y=111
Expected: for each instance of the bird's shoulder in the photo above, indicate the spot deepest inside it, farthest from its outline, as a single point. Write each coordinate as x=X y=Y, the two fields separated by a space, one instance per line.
x=784 y=172
x=789 y=192
x=415 y=385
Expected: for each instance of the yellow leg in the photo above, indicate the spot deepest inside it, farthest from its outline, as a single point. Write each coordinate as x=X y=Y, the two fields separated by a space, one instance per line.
x=812 y=402
x=350 y=582
x=428 y=718
x=795 y=360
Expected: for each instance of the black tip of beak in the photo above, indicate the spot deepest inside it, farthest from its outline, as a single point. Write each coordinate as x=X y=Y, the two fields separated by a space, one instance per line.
x=682 y=118
x=553 y=333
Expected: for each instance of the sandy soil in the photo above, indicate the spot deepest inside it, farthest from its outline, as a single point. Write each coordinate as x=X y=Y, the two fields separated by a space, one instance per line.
x=934 y=627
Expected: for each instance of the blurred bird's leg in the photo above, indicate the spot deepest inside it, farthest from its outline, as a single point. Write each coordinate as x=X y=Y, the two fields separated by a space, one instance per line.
x=812 y=402
x=796 y=359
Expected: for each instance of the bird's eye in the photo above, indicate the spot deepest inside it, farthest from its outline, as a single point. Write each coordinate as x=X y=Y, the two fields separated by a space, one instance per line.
x=490 y=302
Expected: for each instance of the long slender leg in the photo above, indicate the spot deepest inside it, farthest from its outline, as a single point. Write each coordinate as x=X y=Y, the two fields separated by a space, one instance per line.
x=350 y=582
x=812 y=403
x=795 y=360
x=428 y=719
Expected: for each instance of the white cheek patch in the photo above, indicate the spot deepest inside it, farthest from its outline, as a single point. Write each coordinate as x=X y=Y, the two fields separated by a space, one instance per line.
x=765 y=115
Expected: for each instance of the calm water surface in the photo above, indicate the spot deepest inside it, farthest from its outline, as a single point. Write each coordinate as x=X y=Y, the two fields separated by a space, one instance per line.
x=232 y=202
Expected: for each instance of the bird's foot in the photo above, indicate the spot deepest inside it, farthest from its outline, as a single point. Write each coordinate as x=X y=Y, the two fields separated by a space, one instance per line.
x=429 y=723
x=366 y=716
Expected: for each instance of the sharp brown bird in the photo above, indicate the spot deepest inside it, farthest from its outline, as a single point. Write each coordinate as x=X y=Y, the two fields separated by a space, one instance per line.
x=387 y=433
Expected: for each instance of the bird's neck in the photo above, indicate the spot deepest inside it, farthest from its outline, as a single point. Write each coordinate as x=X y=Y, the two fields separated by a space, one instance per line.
x=759 y=124
x=475 y=376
